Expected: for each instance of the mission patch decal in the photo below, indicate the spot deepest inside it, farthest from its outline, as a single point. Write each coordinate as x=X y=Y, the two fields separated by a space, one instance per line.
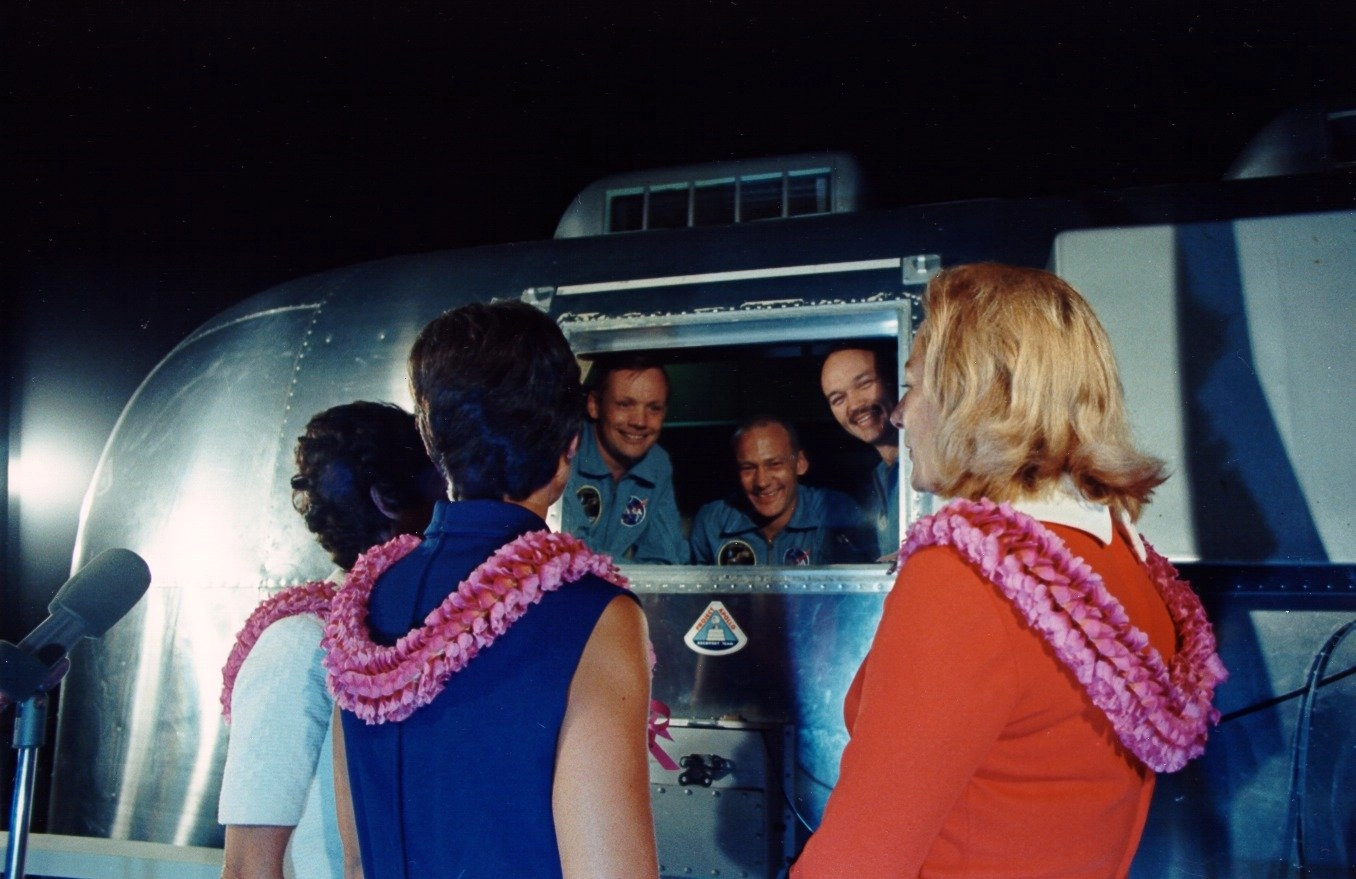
x=715 y=633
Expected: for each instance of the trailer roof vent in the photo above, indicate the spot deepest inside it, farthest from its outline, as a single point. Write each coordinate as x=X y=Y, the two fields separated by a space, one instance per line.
x=716 y=194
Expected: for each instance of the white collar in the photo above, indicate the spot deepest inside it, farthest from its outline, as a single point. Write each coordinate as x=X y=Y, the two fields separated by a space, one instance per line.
x=1064 y=505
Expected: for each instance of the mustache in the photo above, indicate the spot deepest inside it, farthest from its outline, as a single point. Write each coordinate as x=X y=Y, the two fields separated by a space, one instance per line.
x=872 y=408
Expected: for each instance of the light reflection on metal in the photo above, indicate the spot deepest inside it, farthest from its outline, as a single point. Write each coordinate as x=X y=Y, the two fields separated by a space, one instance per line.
x=699 y=580
x=42 y=476
x=141 y=715
x=867 y=265
x=798 y=319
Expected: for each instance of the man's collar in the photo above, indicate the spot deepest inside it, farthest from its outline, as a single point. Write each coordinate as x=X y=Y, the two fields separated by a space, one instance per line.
x=1064 y=505
x=803 y=518
x=589 y=459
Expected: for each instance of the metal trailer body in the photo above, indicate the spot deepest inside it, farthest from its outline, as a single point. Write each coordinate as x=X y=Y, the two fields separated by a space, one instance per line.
x=1230 y=307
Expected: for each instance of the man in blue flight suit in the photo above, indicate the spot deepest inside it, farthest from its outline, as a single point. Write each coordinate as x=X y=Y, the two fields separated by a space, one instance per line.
x=619 y=499
x=859 y=385
x=774 y=520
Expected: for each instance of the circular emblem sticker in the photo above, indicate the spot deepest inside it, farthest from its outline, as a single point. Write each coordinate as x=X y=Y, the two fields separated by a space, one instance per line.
x=634 y=512
x=591 y=501
x=736 y=552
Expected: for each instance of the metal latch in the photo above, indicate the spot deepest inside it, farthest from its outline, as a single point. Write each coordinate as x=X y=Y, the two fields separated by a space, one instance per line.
x=702 y=770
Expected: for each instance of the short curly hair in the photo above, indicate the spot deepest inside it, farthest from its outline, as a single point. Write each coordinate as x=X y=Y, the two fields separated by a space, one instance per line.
x=345 y=452
x=497 y=397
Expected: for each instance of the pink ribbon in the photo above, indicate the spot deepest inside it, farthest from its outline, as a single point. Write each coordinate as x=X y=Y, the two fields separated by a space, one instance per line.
x=659 y=729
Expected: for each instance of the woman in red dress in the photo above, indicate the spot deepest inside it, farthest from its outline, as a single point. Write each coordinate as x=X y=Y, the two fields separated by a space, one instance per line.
x=1036 y=662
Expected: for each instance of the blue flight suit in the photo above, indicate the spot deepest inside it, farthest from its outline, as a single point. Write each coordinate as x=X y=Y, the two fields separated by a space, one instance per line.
x=632 y=519
x=883 y=511
x=827 y=527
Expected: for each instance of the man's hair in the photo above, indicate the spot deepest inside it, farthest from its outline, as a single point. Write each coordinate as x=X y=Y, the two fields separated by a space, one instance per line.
x=765 y=421
x=1027 y=390
x=626 y=361
x=885 y=355
x=497 y=398
x=345 y=452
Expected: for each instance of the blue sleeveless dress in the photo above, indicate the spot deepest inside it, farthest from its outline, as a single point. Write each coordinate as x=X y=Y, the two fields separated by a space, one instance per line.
x=462 y=788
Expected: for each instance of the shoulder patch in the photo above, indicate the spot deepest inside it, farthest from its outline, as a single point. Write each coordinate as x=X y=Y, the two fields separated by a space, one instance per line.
x=736 y=552
x=591 y=500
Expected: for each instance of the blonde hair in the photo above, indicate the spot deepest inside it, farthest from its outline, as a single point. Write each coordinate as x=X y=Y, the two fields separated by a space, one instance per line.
x=1027 y=390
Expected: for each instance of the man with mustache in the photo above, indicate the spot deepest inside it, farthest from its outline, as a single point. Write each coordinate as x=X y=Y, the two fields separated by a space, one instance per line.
x=860 y=388
x=620 y=497
x=773 y=519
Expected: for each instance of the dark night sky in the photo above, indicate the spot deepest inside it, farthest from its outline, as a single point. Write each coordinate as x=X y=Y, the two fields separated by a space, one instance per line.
x=162 y=161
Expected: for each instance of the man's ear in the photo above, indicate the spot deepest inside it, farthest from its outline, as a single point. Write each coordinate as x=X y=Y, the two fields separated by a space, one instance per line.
x=388 y=508
x=802 y=464
x=591 y=405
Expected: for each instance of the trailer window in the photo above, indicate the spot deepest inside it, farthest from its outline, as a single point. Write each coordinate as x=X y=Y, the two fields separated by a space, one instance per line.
x=714 y=389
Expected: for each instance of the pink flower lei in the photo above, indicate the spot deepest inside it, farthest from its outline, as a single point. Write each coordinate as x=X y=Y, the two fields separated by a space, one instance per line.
x=1160 y=712
x=313 y=598
x=380 y=683
x=368 y=679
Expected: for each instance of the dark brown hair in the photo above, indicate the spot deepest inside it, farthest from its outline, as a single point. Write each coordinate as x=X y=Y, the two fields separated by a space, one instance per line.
x=497 y=398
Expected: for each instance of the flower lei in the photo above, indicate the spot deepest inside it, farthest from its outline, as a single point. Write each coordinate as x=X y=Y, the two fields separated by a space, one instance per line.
x=380 y=683
x=313 y=598
x=1160 y=712
x=368 y=680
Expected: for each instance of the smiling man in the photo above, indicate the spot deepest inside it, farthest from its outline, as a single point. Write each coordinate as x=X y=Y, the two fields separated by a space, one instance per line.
x=859 y=387
x=619 y=499
x=774 y=519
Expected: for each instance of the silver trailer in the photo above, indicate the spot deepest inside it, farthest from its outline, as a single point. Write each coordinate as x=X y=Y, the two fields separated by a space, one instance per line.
x=1231 y=307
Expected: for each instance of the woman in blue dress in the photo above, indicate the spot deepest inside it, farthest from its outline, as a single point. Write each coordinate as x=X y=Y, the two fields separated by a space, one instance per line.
x=493 y=677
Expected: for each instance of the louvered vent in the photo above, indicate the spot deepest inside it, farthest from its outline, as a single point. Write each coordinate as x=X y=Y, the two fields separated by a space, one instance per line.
x=718 y=194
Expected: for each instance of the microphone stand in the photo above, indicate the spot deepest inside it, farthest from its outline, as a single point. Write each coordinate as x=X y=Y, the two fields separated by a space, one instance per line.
x=96 y=597
x=26 y=681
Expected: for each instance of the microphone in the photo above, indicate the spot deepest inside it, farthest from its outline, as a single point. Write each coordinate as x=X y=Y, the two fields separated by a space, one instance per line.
x=88 y=604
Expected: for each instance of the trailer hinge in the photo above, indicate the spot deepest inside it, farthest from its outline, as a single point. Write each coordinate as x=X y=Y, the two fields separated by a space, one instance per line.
x=920 y=268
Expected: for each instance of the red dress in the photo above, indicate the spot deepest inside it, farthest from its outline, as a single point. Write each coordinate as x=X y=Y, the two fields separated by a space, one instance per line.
x=974 y=751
